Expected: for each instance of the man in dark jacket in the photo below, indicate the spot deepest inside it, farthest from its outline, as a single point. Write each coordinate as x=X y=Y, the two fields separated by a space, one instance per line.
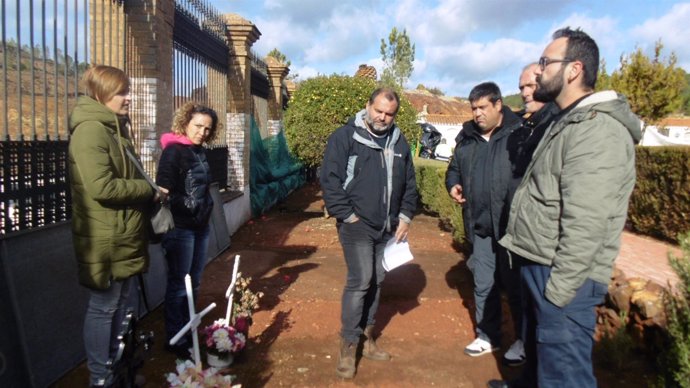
x=369 y=187
x=480 y=177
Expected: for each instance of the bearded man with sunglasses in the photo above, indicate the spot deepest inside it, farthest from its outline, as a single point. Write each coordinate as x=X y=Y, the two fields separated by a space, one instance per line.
x=568 y=213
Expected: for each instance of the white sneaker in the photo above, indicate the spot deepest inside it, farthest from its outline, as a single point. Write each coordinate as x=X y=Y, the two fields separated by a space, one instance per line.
x=515 y=356
x=479 y=347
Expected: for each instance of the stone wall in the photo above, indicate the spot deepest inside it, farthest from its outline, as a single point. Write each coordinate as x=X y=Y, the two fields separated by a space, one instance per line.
x=636 y=305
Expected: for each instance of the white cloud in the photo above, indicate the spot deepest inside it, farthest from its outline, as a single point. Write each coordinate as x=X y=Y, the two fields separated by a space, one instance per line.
x=673 y=30
x=605 y=31
x=305 y=72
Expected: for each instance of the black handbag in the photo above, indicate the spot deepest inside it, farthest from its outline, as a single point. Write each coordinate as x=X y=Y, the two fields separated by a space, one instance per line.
x=162 y=219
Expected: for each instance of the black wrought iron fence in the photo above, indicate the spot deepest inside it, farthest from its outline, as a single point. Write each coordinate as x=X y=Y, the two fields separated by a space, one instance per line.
x=200 y=66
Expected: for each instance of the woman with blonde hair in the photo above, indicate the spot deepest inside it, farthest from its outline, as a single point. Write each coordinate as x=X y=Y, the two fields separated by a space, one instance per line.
x=183 y=172
x=111 y=205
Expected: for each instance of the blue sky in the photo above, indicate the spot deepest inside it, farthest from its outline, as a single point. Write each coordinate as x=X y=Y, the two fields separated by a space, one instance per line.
x=459 y=43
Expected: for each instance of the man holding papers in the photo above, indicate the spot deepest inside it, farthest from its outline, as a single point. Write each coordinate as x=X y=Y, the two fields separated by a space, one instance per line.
x=369 y=187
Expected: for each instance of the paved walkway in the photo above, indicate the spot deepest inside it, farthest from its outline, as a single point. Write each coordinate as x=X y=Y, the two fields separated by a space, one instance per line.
x=647 y=258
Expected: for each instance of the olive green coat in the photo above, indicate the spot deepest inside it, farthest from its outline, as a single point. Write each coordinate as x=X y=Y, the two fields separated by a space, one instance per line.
x=110 y=198
x=570 y=208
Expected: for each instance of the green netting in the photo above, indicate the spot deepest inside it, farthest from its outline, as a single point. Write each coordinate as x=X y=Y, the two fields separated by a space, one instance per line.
x=274 y=172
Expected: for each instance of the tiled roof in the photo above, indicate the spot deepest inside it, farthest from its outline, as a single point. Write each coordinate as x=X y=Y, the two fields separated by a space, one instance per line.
x=675 y=122
x=447 y=119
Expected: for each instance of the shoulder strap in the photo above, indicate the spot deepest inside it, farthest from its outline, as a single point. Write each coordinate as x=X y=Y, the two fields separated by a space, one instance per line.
x=141 y=169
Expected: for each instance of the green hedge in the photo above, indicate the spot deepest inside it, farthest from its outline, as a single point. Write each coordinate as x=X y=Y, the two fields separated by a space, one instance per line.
x=324 y=103
x=660 y=203
x=434 y=197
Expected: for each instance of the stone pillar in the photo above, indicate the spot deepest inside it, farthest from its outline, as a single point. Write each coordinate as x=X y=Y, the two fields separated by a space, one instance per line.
x=241 y=35
x=277 y=71
x=149 y=66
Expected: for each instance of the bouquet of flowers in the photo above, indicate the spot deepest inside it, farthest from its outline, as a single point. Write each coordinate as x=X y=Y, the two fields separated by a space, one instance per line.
x=188 y=375
x=223 y=339
x=244 y=303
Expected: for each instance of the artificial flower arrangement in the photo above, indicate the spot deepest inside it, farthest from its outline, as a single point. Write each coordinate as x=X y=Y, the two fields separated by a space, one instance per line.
x=222 y=339
x=189 y=375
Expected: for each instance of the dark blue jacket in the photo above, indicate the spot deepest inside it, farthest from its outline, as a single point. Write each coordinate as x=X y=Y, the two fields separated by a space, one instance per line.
x=503 y=151
x=183 y=169
x=360 y=178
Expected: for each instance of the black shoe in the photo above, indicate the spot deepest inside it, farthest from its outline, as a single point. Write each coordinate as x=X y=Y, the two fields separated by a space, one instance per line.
x=181 y=351
x=498 y=384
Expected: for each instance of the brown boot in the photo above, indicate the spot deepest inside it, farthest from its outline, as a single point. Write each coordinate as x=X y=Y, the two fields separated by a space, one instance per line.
x=346 y=364
x=370 y=349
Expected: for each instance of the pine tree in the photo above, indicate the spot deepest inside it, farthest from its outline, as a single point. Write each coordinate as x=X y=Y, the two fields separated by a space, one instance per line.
x=398 y=56
x=275 y=53
x=653 y=88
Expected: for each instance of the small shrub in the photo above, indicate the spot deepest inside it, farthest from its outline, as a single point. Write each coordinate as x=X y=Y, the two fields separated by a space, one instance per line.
x=616 y=349
x=675 y=357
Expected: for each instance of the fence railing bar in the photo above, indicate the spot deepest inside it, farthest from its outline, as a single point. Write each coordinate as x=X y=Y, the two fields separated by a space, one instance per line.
x=33 y=72
x=86 y=32
x=76 y=47
x=5 y=126
x=110 y=33
x=45 y=72
x=56 y=119
x=65 y=53
x=19 y=72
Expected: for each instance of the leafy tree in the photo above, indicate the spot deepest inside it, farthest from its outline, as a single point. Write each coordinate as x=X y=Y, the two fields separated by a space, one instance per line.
x=322 y=104
x=275 y=53
x=397 y=55
x=686 y=95
x=652 y=87
x=603 y=78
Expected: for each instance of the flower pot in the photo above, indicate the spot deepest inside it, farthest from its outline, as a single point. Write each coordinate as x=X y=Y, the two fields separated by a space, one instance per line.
x=219 y=362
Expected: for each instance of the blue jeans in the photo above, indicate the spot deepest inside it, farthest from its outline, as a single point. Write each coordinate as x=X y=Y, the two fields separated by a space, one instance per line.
x=102 y=324
x=491 y=270
x=559 y=340
x=185 y=253
x=363 y=249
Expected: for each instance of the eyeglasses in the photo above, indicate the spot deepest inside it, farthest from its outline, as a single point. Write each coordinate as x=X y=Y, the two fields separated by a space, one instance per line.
x=544 y=61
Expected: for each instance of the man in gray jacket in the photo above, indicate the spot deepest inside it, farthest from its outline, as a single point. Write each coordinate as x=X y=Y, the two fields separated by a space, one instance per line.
x=568 y=213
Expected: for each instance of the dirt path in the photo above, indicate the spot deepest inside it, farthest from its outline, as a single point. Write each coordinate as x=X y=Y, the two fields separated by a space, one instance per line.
x=294 y=257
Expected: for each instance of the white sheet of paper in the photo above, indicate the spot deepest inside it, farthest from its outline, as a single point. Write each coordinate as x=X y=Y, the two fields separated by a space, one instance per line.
x=396 y=254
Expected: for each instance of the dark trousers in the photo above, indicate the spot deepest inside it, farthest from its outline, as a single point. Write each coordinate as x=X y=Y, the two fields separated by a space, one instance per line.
x=363 y=249
x=559 y=340
x=491 y=270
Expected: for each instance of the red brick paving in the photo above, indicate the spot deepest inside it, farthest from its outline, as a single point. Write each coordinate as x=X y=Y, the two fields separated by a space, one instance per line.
x=647 y=258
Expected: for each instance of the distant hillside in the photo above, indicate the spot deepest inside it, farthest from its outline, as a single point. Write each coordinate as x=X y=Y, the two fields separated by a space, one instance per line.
x=514 y=101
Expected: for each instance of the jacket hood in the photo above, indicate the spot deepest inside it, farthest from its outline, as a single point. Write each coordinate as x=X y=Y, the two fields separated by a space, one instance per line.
x=88 y=109
x=616 y=106
x=470 y=128
x=173 y=138
x=361 y=131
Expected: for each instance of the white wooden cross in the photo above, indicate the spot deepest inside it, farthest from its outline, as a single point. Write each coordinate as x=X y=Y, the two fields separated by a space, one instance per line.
x=230 y=292
x=194 y=321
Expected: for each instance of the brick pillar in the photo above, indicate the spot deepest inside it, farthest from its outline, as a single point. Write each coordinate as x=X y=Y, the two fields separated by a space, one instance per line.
x=241 y=35
x=277 y=71
x=149 y=66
